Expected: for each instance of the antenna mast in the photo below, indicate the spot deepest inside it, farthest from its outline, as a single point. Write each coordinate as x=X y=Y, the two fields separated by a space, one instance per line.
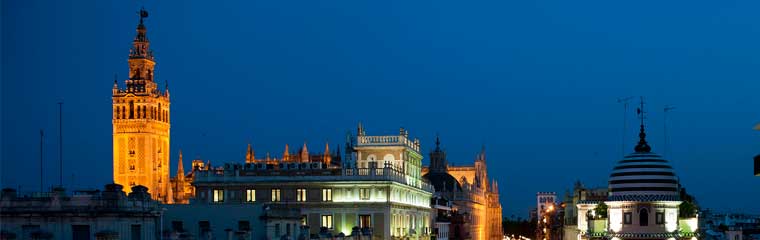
x=625 y=101
x=41 y=164
x=667 y=109
x=60 y=142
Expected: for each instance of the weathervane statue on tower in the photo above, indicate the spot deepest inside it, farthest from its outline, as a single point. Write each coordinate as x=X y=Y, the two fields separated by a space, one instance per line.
x=143 y=14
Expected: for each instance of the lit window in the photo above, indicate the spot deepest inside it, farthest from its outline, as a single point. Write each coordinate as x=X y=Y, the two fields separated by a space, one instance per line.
x=327 y=195
x=304 y=221
x=275 y=195
x=627 y=218
x=364 y=193
x=250 y=195
x=327 y=221
x=218 y=195
x=365 y=221
x=301 y=195
x=660 y=218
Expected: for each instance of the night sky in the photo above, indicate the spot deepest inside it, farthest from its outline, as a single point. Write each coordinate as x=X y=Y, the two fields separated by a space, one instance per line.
x=535 y=81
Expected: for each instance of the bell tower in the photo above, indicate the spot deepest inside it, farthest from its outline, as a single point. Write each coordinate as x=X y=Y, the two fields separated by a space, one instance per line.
x=141 y=123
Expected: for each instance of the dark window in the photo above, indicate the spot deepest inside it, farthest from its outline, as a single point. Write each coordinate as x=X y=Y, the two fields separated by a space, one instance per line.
x=244 y=225
x=80 y=232
x=627 y=218
x=27 y=230
x=131 y=109
x=204 y=227
x=136 y=232
x=177 y=226
x=659 y=218
x=643 y=217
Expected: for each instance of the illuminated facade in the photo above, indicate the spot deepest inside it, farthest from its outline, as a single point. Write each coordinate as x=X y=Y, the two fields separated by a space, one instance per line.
x=378 y=188
x=141 y=123
x=182 y=190
x=469 y=189
x=645 y=201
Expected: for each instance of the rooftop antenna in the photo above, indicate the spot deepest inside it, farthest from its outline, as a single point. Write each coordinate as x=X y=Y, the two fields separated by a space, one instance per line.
x=42 y=135
x=60 y=142
x=667 y=109
x=624 y=101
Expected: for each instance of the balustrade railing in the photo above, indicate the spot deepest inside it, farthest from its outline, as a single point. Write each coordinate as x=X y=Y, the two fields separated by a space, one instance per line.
x=387 y=141
x=380 y=174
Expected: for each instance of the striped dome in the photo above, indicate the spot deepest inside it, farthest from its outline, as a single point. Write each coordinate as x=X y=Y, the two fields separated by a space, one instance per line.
x=643 y=176
x=643 y=173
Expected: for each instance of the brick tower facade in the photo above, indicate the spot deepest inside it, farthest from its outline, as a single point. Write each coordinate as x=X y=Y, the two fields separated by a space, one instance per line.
x=141 y=123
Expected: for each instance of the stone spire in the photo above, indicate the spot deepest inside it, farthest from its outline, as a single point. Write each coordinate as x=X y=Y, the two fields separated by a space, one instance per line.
x=180 y=168
x=249 y=155
x=304 y=153
x=327 y=158
x=438 y=161
x=482 y=155
x=286 y=154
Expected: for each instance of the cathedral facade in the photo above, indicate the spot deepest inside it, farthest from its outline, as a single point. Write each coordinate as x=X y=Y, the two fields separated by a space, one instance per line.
x=141 y=123
x=468 y=187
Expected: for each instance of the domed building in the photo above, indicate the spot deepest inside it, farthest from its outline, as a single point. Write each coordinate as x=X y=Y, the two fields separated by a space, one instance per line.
x=643 y=201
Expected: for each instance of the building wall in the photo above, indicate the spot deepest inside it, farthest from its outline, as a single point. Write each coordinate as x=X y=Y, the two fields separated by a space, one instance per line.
x=393 y=208
x=227 y=219
x=58 y=214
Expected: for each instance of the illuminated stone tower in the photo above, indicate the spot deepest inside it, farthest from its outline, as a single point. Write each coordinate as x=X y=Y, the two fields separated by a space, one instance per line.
x=141 y=123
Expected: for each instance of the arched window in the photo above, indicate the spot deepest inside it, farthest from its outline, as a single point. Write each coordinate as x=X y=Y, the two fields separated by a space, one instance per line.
x=116 y=113
x=131 y=109
x=144 y=112
x=643 y=217
x=159 y=111
x=123 y=112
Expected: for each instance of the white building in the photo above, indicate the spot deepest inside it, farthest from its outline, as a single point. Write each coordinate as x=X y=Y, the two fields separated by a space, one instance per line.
x=377 y=192
x=643 y=202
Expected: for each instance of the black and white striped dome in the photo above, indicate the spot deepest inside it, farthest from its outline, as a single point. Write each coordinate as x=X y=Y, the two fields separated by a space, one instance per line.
x=643 y=176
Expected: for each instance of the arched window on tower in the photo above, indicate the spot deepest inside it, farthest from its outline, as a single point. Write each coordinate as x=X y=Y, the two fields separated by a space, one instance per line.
x=643 y=217
x=144 y=112
x=131 y=109
x=123 y=112
x=159 y=112
x=116 y=113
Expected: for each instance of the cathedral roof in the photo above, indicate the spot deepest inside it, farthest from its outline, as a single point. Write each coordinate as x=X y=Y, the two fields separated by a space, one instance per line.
x=442 y=181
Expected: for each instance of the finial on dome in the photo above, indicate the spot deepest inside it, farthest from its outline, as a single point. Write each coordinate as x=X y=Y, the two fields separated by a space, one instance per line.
x=642 y=146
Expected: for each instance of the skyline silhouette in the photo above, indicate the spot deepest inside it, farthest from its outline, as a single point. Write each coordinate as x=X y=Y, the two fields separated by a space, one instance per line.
x=537 y=83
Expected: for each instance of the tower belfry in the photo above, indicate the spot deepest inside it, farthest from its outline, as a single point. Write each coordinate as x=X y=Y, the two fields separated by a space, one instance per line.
x=141 y=122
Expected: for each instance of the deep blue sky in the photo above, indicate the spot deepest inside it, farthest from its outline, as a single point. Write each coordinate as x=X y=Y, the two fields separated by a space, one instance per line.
x=535 y=81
